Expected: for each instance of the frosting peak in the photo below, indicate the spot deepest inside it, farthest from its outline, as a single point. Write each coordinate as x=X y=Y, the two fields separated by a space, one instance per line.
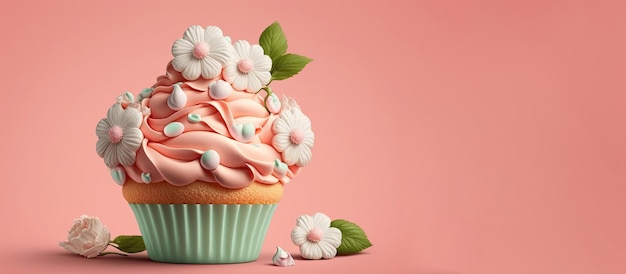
x=282 y=258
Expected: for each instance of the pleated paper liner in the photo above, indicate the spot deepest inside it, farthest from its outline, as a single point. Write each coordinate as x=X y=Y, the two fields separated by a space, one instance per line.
x=203 y=233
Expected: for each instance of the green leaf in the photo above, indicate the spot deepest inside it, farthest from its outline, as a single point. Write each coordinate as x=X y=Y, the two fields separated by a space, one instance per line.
x=273 y=41
x=353 y=238
x=288 y=65
x=129 y=244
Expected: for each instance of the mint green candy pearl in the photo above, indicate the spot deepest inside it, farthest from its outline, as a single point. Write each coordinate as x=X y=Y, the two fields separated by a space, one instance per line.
x=248 y=131
x=173 y=129
x=194 y=118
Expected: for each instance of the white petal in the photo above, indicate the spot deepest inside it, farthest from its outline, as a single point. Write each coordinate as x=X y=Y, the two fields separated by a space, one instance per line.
x=102 y=129
x=309 y=138
x=291 y=155
x=304 y=155
x=102 y=145
x=104 y=236
x=262 y=63
x=221 y=52
x=332 y=235
x=192 y=71
x=210 y=68
x=194 y=34
x=110 y=156
x=241 y=82
x=114 y=115
x=280 y=126
x=288 y=117
x=320 y=220
x=182 y=46
x=281 y=141
x=125 y=154
x=263 y=76
x=256 y=51
x=180 y=62
x=301 y=121
x=310 y=250
x=298 y=236
x=328 y=251
x=305 y=122
x=68 y=247
x=212 y=32
x=219 y=48
x=305 y=222
x=131 y=118
x=133 y=137
x=254 y=84
x=242 y=49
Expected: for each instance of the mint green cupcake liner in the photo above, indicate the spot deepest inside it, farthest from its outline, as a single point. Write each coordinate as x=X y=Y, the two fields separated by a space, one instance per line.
x=203 y=233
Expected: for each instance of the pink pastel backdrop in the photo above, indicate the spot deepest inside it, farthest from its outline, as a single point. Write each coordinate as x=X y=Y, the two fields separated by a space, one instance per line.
x=463 y=136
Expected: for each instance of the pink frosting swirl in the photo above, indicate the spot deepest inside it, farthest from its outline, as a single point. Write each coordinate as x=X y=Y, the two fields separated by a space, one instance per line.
x=176 y=159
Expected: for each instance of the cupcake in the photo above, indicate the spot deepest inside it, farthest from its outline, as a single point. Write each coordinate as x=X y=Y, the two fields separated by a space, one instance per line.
x=203 y=155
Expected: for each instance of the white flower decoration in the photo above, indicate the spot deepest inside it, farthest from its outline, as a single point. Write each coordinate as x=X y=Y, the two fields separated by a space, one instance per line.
x=315 y=237
x=87 y=237
x=119 y=136
x=201 y=52
x=248 y=68
x=294 y=137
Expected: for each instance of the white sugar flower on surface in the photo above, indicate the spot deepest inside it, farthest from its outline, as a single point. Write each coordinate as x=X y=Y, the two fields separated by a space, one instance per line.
x=294 y=137
x=201 y=52
x=248 y=68
x=119 y=136
x=315 y=237
x=87 y=237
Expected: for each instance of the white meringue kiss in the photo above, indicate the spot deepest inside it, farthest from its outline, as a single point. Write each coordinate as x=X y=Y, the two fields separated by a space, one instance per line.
x=282 y=258
x=177 y=99
x=220 y=89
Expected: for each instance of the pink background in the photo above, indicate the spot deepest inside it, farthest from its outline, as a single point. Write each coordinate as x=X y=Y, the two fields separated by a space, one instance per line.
x=482 y=137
